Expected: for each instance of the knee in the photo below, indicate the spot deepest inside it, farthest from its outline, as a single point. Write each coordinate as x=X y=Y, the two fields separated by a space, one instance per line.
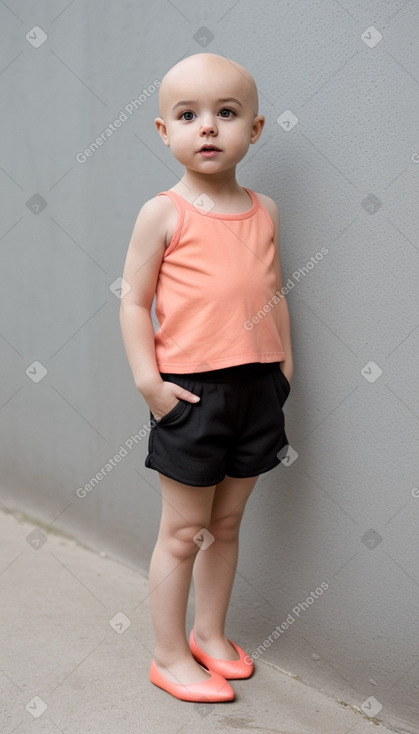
x=226 y=529
x=180 y=541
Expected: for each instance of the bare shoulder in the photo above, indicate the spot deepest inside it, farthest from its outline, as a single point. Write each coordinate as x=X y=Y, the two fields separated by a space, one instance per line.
x=271 y=207
x=159 y=212
x=157 y=208
x=268 y=203
x=145 y=252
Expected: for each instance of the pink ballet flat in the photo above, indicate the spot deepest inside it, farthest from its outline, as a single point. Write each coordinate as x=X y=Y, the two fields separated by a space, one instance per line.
x=242 y=668
x=214 y=689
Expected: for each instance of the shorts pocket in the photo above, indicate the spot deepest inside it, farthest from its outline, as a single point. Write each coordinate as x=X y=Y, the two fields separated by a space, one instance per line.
x=282 y=385
x=176 y=415
x=285 y=380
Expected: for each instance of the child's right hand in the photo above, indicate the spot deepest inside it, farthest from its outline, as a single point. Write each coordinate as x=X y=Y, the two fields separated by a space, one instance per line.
x=165 y=395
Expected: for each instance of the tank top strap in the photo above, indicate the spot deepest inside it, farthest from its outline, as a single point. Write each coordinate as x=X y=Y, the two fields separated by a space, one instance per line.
x=178 y=202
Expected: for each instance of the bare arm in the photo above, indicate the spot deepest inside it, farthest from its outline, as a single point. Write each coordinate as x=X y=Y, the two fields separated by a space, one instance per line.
x=142 y=264
x=281 y=308
x=141 y=270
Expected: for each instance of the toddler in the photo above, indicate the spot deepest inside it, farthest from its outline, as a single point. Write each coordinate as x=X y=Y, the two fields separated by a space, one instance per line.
x=217 y=372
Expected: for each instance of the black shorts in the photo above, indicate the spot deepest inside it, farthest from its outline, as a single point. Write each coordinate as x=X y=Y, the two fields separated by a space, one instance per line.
x=237 y=428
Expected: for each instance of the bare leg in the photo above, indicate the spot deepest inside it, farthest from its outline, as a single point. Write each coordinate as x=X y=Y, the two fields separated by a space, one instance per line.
x=185 y=511
x=214 y=568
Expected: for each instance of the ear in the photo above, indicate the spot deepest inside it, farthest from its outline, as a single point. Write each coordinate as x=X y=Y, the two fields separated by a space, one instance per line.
x=161 y=128
x=257 y=127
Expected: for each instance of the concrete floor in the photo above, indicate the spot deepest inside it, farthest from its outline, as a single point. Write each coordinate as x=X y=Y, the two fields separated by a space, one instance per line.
x=77 y=641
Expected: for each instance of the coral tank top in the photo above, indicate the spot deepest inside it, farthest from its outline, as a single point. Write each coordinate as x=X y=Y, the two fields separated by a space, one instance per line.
x=216 y=274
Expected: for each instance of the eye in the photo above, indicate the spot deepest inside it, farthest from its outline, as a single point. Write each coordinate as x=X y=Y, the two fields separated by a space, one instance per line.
x=188 y=112
x=226 y=109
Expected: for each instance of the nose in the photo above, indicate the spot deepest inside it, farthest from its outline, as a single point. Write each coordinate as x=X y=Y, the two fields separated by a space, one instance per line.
x=208 y=126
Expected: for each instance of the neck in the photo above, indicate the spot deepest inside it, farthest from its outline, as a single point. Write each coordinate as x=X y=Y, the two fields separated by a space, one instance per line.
x=218 y=185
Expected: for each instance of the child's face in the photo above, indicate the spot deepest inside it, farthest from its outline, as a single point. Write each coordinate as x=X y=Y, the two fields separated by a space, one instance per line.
x=208 y=102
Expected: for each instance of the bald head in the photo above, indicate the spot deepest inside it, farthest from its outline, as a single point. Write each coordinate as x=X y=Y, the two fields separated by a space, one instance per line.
x=216 y=75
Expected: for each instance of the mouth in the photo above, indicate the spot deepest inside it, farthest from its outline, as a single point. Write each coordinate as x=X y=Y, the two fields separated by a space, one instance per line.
x=208 y=146
x=209 y=150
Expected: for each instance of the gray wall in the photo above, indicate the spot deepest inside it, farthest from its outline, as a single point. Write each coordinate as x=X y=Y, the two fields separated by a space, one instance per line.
x=345 y=512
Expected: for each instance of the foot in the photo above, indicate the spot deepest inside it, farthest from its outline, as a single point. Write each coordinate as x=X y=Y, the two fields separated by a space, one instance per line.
x=217 y=647
x=183 y=671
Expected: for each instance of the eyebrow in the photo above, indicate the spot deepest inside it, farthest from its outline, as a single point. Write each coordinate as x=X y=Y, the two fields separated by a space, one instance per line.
x=187 y=102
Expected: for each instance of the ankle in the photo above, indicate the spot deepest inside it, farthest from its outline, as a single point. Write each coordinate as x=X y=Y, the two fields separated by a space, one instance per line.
x=207 y=635
x=167 y=658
